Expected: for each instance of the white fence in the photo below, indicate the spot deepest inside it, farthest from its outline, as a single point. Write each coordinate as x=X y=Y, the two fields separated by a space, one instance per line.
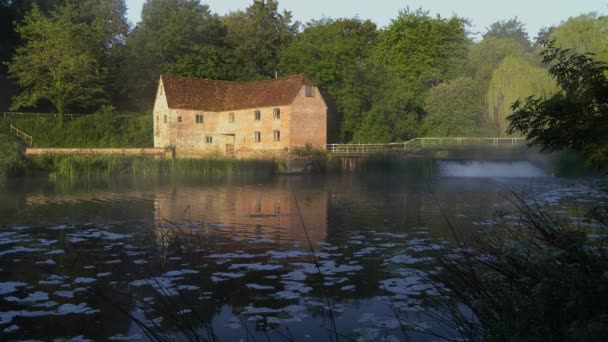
x=428 y=143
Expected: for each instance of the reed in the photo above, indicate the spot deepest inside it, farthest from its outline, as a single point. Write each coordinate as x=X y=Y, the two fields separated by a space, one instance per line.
x=112 y=166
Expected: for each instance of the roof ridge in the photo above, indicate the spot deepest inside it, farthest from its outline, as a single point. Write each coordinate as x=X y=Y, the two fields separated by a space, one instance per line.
x=238 y=81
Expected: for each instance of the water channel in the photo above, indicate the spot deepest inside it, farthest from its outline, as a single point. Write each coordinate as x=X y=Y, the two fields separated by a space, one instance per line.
x=230 y=258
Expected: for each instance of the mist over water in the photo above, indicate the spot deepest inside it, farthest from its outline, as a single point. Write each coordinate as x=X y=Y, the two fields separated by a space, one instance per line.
x=490 y=169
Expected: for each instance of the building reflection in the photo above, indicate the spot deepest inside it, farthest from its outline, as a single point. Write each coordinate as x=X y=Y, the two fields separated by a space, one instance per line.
x=249 y=213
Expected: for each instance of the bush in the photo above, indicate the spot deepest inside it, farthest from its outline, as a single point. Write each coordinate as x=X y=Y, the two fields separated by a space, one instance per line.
x=106 y=128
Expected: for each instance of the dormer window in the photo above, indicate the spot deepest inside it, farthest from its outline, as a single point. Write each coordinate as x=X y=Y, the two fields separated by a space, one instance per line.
x=309 y=91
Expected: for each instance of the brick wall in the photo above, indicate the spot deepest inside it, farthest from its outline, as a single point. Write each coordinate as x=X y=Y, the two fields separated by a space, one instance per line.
x=308 y=120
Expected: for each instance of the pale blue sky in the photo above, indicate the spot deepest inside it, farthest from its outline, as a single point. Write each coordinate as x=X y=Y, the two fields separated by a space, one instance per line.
x=534 y=13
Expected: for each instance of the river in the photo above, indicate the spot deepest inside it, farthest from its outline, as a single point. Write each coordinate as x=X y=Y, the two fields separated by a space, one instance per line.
x=231 y=257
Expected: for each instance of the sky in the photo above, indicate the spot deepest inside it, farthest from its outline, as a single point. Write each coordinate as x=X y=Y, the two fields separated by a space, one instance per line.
x=535 y=14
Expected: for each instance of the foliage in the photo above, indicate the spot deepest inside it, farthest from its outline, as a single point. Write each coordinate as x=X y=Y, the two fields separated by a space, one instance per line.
x=515 y=78
x=12 y=162
x=106 y=129
x=511 y=29
x=56 y=63
x=258 y=38
x=12 y=11
x=173 y=36
x=423 y=50
x=454 y=108
x=574 y=118
x=112 y=166
x=585 y=33
x=538 y=279
x=335 y=55
x=488 y=54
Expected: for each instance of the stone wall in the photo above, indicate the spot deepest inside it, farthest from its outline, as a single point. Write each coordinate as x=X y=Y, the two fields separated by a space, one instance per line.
x=138 y=152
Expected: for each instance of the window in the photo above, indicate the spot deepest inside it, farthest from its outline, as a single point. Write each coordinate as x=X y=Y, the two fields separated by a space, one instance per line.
x=209 y=139
x=276 y=114
x=310 y=91
x=199 y=119
x=276 y=135
x=231 y=117
x=164 y=118
x=179 y=119
x=258 y=115
x=258 y=136
x=161 y=91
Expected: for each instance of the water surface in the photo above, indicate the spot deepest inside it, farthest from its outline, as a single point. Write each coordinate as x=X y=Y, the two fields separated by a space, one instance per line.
x=230 y=257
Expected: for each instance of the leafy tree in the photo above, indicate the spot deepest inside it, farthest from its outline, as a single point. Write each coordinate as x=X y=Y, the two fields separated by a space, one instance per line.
x=12 y=11
x=423 y=50
x=454 y=108
x=178 y=36
x=583 y=34
x=575 y=117
x=511 y=29
x=543 y=36
x=373 y=129
x=56 y=63
x=335 y=55
x=487 y=55
x=515 y=78
x=258 y=37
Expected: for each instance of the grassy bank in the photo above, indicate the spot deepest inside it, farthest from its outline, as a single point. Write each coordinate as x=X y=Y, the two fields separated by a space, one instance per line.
x=107 y=128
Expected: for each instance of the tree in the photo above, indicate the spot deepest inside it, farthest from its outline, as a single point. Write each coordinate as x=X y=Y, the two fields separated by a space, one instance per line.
x=586 y=33
x=335 y=55
x=258 y=38
x=178 y=36
x=511 y=29
x=423 y=50
x=487 y=55
x=575 y=117
x=515 y=78
x=56 y=63
x=12 y=11
x=454 y=108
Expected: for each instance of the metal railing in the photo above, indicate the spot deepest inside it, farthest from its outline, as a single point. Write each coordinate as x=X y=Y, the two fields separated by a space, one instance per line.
x=23 y=135
x=428 y=143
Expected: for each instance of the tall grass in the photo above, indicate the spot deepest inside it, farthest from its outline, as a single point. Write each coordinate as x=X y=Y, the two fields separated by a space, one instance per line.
x=12 y=162
x=88 y=167
x=539 y=279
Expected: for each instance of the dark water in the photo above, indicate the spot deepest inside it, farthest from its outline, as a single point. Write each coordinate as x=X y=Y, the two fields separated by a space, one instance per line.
x=229 y=258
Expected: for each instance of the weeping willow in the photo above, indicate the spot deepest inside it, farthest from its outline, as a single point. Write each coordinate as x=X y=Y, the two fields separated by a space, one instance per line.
x=515 y=78
x=585 y=33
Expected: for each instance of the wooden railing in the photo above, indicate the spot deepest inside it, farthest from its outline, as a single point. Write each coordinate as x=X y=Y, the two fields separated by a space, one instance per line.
x=428 y=143
x=22 y=134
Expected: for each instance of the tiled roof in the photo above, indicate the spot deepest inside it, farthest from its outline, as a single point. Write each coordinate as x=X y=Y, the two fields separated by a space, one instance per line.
x=217 y=96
